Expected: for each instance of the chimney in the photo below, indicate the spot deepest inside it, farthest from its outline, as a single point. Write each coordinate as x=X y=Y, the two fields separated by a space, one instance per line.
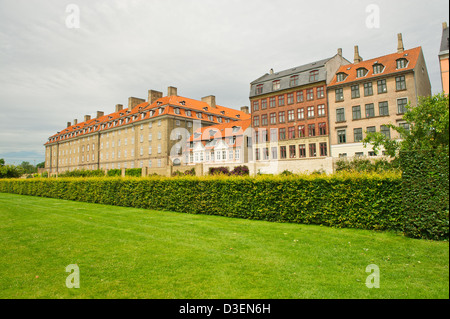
x=69 y=124
x=100 y=114
x=87 y=118
x=400 y=47
x=444 y=25
x=153 y=96
x=75 y=122
x=133 y=102
x=357 y=58
x=271 y=71
x=119 y=107
x=210 y=100
x=340 y=52
x=171 y=91
x=245 y=109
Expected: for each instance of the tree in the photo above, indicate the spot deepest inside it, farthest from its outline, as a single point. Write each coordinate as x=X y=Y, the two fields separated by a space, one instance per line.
x=40 y=165
x=427 y=128
x=2 y=162
x=27 y=168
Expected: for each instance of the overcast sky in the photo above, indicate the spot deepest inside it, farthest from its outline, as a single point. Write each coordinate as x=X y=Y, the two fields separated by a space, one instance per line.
x=51 y=73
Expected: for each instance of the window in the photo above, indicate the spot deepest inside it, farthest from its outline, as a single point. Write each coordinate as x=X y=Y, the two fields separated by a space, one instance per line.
x=282 y=152
x=340 y=115
x=255 y=105
x=313 y=76
x=312 y=150
x=177 y=111
x=199 y=115
x=276 y=85
x=359 y=154
x=320 y=92
x=265 y=153
x=361 y=72
x=321 y=110
x=256 y=121
x=292 y=151
x=341 y=137
x=300 y=97
x=378 y=68
x=368 y=89
x=259 y=89
x=293 y=81
x=311 y=129
x=310 y=111
x=310 y=94
x=370 y=110
x=281 y=117
x=301 y=113
x=356 y=111
x=400 y=83
x=291 y=132
x=301 y=131
x=281 y=100
x=272 y=102
x=385 y=130
x=282 y=134
x=290 y=98
x=383 y=108
x=274 y=152
x=339 y=95
x=355 y=91
x=273 y=134
x=263 y=104
x=382 y=88
x=401 y=105
x=302 y=150
x=340 y=77
x=291 y=115
x=405 y=126
x=323 y=149
x=273 y=118
x=264 y=120
x=402 y=63
x=323 y=128
x=357 y=135
x=371 y=129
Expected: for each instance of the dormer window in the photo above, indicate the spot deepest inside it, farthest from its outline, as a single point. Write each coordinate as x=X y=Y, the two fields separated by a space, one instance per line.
x=199 y=115
x=238 y=116
x=160 y=110
x=313 y=76
x=177 y=110
x=183 y=102
x=259 y=89
x=188 y=113
x=361 y=72
x=222 y=112
x=293 y=81
x=158 y=103
x=378 y=68
x=205 y=109
x=210 y=117
x=219 y=119
x=340 y=77
x=142 y=115
x=402 y=63
x=276 y=85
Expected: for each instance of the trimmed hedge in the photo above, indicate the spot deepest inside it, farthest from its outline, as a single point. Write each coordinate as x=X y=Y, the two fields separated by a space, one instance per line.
x=425 y=184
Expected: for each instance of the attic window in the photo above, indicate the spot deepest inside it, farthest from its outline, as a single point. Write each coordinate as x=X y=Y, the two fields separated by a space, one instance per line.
x=177 y=110
x=183 y=102
x=259 y=89
x=378 y=68
x=205 y=108
x=222 y=112
x=313 y=75
x=158 y=103
x=340 y=77
x=238 y=116
x=219 y=119
x=402 y=63
x=361 y=72
x=276 y=85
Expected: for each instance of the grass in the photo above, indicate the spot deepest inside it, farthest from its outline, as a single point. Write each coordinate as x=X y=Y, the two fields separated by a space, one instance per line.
x=137 y=253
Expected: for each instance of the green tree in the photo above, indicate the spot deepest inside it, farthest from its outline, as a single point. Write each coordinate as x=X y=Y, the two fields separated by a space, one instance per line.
x=426 y=129
x=40 y=165
x=28 y=168
x=2 y=162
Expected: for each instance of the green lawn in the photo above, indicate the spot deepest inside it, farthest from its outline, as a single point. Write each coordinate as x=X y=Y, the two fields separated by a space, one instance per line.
x=136 y=253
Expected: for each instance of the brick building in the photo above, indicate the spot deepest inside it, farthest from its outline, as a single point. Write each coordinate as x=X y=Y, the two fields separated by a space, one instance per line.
x=290 y=116
x=367 y=95
x=149 y=134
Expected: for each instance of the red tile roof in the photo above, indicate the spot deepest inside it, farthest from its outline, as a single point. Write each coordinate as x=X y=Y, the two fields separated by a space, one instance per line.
x=168 y=103
x=388 y=61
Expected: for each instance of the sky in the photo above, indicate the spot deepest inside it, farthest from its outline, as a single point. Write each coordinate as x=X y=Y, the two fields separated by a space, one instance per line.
x=61 y=60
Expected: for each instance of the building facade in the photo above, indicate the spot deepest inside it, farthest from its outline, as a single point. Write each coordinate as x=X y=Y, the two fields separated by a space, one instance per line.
x=290 y=116
x=148 y=134
x=367 y=95
x=443 y=58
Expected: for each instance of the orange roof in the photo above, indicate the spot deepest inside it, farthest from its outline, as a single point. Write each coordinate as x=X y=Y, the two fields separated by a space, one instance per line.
x=145 y=111
x=388 y=61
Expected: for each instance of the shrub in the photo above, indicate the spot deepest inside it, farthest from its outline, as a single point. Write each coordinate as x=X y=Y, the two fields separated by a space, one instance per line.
x=114 y=172
x=83 y=173
x=240 y=171
x=219 y=171
x=136 y=172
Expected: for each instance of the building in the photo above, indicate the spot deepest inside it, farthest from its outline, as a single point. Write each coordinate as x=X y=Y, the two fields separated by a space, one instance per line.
x=227 y=144
x=290 y=117
x=148 y=134
x=443 y=58
x=367 y=95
